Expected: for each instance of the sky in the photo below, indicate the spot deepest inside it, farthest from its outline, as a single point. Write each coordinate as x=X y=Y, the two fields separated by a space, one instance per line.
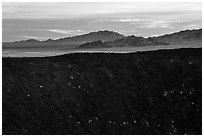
x=41 y=21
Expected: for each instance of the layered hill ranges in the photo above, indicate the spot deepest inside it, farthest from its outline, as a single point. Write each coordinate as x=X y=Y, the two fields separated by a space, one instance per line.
x=109 y=39
x=67 y=42
x=151 y=92
x=187 y=37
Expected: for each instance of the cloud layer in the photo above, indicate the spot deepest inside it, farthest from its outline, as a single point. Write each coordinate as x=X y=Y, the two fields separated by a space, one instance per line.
x=54 y=20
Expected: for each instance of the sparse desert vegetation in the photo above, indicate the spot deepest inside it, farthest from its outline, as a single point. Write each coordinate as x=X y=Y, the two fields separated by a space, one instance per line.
x=153 y=92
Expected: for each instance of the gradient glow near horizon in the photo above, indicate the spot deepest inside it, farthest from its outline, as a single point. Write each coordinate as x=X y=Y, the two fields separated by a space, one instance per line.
x=42 y=21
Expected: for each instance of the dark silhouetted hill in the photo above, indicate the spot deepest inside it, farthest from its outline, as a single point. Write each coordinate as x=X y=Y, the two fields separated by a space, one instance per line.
x=154 y=92
x=95 y=44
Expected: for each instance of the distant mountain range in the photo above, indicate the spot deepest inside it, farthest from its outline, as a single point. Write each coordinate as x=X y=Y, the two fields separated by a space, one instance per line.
x=94 y=36
x=95 y=44
x=107 y=39
x=133 y=41
x=187 y=37
x=68 y=42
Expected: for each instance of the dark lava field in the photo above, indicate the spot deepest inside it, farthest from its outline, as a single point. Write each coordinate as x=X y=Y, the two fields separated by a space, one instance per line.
x=153 y=92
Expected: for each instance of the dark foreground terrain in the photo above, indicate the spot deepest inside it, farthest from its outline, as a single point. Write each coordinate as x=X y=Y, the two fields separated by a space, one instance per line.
x=155 y=92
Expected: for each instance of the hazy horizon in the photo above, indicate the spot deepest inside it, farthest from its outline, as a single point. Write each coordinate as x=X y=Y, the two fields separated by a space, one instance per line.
x=41 y=21
x=103 y=30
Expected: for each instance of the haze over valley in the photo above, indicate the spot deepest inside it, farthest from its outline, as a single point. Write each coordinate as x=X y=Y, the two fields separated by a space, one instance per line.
x=102 y=41
x=41 y=29
x=104 y=68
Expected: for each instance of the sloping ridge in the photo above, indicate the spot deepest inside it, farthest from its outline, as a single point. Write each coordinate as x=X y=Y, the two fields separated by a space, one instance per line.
x=94 y=36
x=190 y=37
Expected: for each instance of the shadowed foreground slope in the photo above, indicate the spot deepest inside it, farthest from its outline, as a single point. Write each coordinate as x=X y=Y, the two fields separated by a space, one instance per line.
x=155 y=92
